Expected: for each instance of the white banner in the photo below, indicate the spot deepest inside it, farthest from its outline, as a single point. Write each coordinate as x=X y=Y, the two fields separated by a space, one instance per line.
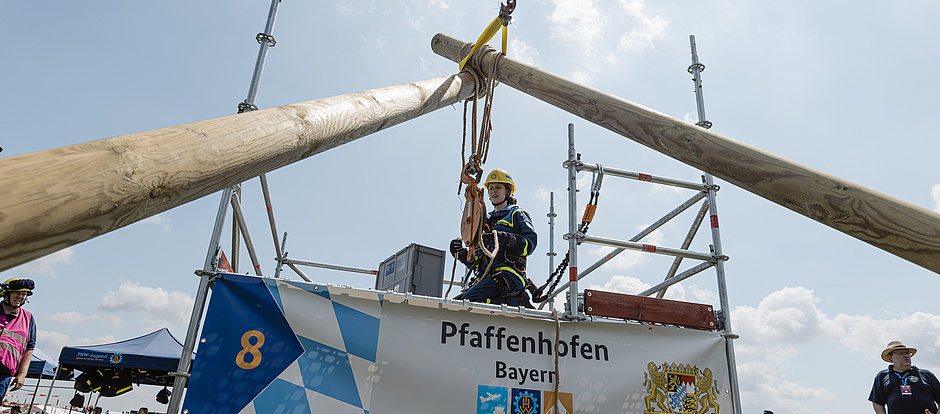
x=356 y=351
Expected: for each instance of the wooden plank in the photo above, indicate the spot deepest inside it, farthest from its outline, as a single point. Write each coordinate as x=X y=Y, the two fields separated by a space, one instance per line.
x=56 y=198
x=898 y=227
x=646 y=309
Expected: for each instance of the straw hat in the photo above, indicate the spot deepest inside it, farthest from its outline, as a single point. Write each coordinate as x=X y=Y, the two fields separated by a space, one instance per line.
x=894 y=346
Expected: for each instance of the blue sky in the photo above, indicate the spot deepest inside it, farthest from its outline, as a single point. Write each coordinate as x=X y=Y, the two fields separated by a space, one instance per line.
x=844 y=87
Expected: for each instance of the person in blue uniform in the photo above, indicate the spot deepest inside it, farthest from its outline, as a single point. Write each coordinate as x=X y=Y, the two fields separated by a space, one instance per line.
x=515 y=238
x=903 y=388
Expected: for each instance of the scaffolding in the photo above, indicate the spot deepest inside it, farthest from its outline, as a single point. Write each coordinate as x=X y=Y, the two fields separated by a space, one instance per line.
x=705 y=192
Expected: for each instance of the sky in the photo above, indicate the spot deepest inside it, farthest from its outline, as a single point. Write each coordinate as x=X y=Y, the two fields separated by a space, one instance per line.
x=844 y=87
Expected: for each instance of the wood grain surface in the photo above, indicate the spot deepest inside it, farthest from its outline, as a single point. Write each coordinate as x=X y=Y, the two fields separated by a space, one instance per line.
x=644 y=309
x=900 y=228
x=56 y=198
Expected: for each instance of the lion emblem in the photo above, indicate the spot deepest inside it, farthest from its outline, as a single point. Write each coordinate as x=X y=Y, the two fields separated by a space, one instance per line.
x=680 y=388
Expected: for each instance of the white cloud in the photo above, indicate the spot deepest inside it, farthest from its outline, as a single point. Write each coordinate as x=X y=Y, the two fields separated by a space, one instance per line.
x=770 y=334
x=150 y=325
x=627 y=259
x=132 y=297
x=701 y=295
x=47 y=264
x=357 y=9
x=787 y=396
x=542 y=196
x=51 y=342
x=645 y=29
x=578 y=23
x=786 y=316
x=523 y=52
x=631 y=286
x=585 y=181
x=72 y=317
x=440 y=4
x=581 y=76
x=159 y=220
x=794 y=391
x=76 y=318
x=585 y=25
x=788 y=319
x=868 y=335
x=379 y=42
x=935 y=194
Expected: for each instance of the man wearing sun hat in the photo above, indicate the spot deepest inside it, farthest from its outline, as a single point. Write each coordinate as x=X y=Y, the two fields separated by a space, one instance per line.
x=903 y=388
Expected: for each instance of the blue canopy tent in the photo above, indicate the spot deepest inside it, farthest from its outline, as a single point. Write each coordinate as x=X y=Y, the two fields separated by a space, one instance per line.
x=158 y=351
x=41 y=366
x=111 y=369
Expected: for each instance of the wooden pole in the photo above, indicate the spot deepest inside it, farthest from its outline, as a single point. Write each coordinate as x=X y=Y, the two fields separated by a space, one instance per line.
x=890 y=224
x=56 y=198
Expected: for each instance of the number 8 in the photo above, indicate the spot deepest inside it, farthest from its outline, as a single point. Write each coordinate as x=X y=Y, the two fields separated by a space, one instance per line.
x=248 y=348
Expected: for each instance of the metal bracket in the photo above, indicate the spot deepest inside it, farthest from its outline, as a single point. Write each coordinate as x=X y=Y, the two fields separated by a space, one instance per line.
x=202 y=273
x=577 y=164
x=246 y=107
x=261 y=37
x=567 y=316
x=576 y=235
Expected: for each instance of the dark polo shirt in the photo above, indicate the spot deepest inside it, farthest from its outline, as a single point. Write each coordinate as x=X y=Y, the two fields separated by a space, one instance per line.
x=925 y=391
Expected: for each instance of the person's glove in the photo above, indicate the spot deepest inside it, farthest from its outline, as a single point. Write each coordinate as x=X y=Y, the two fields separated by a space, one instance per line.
x=456 y=246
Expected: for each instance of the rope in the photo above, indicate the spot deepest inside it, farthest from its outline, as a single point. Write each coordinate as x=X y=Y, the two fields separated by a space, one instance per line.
x=487 y=124
x=472 y=170
x=557 y=340
x=452 y=272
x=472 y=167
x=491 y=255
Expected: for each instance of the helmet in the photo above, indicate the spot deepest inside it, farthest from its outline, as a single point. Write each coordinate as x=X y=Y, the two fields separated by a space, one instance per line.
x=18 y=284
x=500 y=175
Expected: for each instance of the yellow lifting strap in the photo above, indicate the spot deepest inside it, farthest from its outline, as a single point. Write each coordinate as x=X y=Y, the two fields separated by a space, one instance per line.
x=503 y=19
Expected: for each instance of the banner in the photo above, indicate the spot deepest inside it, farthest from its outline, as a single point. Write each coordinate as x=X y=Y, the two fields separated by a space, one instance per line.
x=278 y=346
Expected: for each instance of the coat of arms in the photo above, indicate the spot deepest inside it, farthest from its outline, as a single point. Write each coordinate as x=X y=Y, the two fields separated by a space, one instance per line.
x=680 y=389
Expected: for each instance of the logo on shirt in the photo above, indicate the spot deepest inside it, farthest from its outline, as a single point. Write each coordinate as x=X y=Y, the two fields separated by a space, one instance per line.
x=680 y=389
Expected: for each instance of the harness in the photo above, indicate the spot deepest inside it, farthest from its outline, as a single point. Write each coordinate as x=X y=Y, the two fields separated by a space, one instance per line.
x=502 y=261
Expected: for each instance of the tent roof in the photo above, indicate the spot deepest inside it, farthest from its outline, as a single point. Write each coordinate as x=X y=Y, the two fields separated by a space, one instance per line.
x=158 y=350
x=41 y=364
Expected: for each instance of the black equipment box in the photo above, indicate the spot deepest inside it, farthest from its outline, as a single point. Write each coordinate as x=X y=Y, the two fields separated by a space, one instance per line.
x=417 y=269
